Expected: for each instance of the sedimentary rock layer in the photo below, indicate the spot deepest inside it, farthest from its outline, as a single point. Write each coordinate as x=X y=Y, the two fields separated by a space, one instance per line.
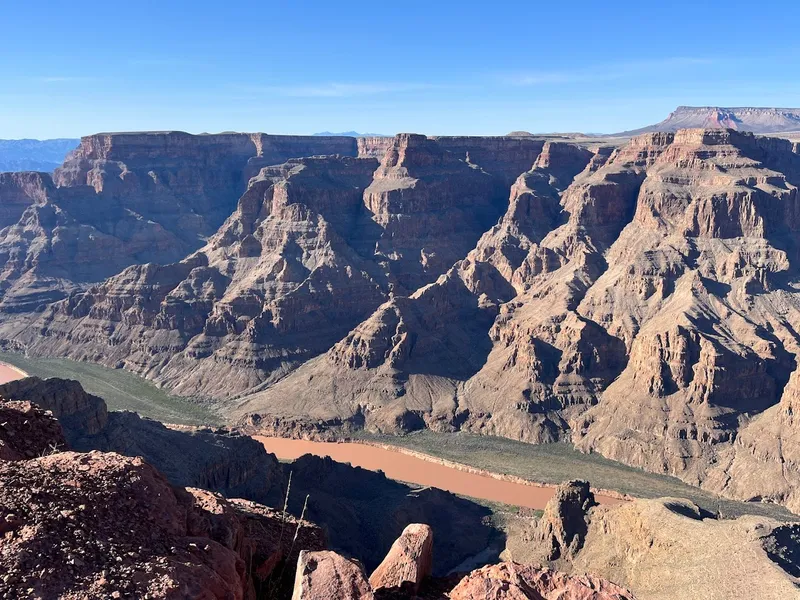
x=121 y=199
x=641 y=302
x=314 y=246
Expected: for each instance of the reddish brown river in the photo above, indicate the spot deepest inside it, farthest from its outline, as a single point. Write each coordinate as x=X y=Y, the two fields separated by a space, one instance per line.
x=398 y=465
x=421 y=471
x=10 y=373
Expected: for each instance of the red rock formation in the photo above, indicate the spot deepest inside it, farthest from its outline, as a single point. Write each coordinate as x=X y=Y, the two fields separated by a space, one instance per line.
x=233 y=465
x=562 y=529
x=329 y=576
x=100 y=525
x=409 y=561
x=26 y=431
x=78 y=412
x=511 y=581
x=656 y=290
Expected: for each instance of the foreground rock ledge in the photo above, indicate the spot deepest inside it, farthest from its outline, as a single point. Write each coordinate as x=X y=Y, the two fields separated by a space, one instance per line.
x=512 y=581
x=100 y=525
x=329 y=576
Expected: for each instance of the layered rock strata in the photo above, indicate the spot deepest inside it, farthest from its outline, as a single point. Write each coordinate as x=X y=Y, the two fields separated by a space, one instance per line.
x=667 y=548
x=122 y=199
x=654 y=285
x=313 y=247
x=640 y=301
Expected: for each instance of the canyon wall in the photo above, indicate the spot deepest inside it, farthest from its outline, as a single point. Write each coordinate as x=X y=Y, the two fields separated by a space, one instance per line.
x=639 y=301
x=122 y=199
x=312 y=248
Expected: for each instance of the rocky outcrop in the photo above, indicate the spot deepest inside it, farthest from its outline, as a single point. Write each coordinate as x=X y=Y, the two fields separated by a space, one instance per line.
x=78 y=412
x=233 y=465
x=666 y=548
x=63 y=537
x=662 y=549
x=562 y=529
x=27 y=431
x=512 y=581
x=409 y=561
x=365 y=513
x=329 y=576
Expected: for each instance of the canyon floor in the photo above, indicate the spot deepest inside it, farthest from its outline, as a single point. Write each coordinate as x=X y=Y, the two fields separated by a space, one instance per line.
x=546 y=464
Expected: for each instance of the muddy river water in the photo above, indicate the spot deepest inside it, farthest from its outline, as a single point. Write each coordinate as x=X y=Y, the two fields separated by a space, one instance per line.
x=415 y=469
x=10 y=373
x=421 y=471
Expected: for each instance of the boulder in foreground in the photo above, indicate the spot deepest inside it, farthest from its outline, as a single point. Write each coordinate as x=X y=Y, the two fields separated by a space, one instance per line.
x=330 y=576
x=26 y=431
x=408 y=562
x=512 y=581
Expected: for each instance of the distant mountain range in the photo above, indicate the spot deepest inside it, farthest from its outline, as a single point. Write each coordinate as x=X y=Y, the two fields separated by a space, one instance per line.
x=747 y=118
x=351 y=134
x=34 y=155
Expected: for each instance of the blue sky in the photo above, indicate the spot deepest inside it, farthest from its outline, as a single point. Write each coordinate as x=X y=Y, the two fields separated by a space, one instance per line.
x=435 y=67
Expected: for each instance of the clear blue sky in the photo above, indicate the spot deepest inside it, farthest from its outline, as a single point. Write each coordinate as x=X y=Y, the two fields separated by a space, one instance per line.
x=436 y=67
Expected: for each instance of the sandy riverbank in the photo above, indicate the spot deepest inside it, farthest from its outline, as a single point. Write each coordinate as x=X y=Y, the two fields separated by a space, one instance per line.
x=10 y=373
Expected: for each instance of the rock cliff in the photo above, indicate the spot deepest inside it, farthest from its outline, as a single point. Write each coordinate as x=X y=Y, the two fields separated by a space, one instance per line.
x=313 y=247
x=27 y=431
x=665 y=548
x=100 y=525
x=128 y=198
x=640 y=301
